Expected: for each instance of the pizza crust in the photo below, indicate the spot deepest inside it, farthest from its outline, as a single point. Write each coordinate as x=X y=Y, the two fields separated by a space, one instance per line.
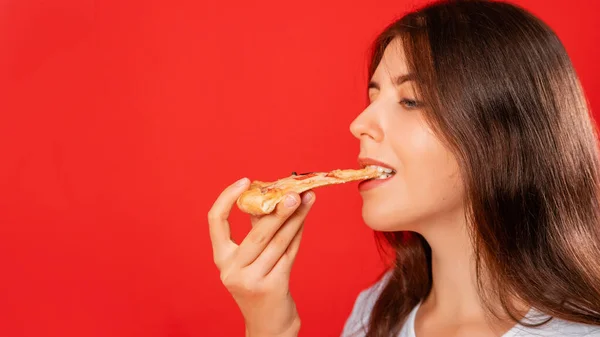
x=262 y=197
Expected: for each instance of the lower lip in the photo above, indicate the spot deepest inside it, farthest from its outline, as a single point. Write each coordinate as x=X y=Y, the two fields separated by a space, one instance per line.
x=371 y=184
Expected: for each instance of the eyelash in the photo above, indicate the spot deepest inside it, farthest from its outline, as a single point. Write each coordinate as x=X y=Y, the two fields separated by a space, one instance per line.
x=410 y=103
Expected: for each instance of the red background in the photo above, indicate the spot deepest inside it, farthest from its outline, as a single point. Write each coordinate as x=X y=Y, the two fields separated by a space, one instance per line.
x=121 y=122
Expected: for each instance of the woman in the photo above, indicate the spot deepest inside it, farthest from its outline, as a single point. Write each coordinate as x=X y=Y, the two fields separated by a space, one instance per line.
x=493 y=212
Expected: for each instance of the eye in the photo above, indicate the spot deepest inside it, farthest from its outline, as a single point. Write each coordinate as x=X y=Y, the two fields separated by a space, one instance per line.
x=410 y=103
x=372 y=94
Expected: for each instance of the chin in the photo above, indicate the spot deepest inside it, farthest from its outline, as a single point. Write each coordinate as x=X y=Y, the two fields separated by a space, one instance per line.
x=388 y=218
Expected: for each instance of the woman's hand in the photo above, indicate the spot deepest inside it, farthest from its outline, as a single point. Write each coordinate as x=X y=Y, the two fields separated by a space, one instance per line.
x=257 y=271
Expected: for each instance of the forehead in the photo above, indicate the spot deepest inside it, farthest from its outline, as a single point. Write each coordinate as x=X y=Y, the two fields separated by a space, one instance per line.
x=393 y=62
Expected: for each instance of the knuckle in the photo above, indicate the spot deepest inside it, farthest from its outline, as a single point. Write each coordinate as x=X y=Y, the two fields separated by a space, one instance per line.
x=213 y=216
x=228 y=278
x=277 y=243
x=250 y=285
x=218 y=261
x=258 y=237
x=224 y=260
x=283 y=213
x=242 y=285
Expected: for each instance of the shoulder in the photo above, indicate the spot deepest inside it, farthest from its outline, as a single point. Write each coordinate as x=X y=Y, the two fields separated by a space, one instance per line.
x=358 y=321
x=554 y=328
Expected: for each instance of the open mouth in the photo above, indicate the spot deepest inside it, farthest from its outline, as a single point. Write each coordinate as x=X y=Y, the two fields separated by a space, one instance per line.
x=385 y=172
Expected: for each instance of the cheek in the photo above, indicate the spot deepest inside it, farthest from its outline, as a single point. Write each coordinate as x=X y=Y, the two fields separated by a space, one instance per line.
x=428 y=184
x=431 y=172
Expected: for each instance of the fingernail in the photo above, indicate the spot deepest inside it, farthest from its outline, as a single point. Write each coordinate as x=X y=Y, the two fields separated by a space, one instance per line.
x=290 y=201
x=306 y=198
x=241 y=182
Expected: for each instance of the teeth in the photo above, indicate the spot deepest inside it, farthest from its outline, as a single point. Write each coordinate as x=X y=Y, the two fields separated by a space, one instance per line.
x=384 y=176
x=383 y=169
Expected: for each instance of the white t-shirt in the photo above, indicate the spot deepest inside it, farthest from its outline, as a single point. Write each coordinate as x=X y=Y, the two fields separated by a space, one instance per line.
x=359 y=319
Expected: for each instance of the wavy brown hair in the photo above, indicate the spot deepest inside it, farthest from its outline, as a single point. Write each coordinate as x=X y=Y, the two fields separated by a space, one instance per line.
x=502 y=92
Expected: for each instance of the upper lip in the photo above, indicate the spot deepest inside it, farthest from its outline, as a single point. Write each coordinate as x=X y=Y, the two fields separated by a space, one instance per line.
x=364 y=162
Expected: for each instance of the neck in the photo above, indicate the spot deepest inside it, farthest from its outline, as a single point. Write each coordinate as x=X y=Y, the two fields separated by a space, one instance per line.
x=454 y=288
x=454 y=296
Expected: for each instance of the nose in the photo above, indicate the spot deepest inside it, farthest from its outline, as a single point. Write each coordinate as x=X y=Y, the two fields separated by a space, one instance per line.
x=367 y=125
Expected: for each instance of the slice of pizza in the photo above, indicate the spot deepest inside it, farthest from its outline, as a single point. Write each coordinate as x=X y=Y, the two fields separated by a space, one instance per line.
x=262 y=197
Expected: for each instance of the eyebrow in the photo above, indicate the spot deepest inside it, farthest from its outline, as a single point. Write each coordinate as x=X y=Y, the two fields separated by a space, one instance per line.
x=398 y=80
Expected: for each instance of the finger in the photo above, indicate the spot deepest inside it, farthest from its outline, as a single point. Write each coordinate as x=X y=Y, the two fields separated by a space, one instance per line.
x=283 y=239
x=255 y=218
x=282 y=265
x=261 y=234
x=220 y=233
x=294 y=246
x=285 y=262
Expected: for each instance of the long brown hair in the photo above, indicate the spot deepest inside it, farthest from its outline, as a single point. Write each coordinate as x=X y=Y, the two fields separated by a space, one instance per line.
x=502 y=93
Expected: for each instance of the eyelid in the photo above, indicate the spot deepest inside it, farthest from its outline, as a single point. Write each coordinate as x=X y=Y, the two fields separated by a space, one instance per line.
x=371 y=92
x=416 y=103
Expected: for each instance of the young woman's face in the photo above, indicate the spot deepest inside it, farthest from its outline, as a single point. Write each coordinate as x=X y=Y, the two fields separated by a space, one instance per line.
x=426 y=188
